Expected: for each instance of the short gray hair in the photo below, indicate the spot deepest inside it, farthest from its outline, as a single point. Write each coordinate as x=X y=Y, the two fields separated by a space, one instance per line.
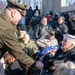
x=67 y=68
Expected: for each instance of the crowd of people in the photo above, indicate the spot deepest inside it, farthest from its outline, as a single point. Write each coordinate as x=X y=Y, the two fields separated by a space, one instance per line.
x=19 y=51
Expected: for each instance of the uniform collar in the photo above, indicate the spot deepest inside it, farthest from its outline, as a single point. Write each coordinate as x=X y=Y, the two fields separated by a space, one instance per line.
x=4 y=16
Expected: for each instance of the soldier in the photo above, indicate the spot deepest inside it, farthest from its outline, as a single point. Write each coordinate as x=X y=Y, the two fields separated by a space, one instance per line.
x=8 y=36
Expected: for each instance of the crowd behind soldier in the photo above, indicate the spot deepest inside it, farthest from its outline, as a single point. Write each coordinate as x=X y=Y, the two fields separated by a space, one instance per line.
x=54 y=19
x=61 y=25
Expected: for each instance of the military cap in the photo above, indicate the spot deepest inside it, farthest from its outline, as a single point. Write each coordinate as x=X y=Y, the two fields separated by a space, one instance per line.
x=16 y=5
x=68 y=36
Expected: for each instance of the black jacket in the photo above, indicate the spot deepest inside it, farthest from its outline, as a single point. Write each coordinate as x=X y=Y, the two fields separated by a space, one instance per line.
x=60 y=31
x=60 y=55
x=69 y=55
x=73 y=24
x=34 y=21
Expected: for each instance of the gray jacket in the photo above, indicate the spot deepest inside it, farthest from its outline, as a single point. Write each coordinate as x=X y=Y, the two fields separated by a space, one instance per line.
x=41 y=31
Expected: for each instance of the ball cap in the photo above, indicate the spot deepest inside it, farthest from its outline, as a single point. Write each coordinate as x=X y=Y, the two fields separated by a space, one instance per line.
x=16 y=5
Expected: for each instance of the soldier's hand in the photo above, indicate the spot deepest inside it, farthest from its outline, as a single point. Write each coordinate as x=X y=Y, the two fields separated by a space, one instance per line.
x=39 y=65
